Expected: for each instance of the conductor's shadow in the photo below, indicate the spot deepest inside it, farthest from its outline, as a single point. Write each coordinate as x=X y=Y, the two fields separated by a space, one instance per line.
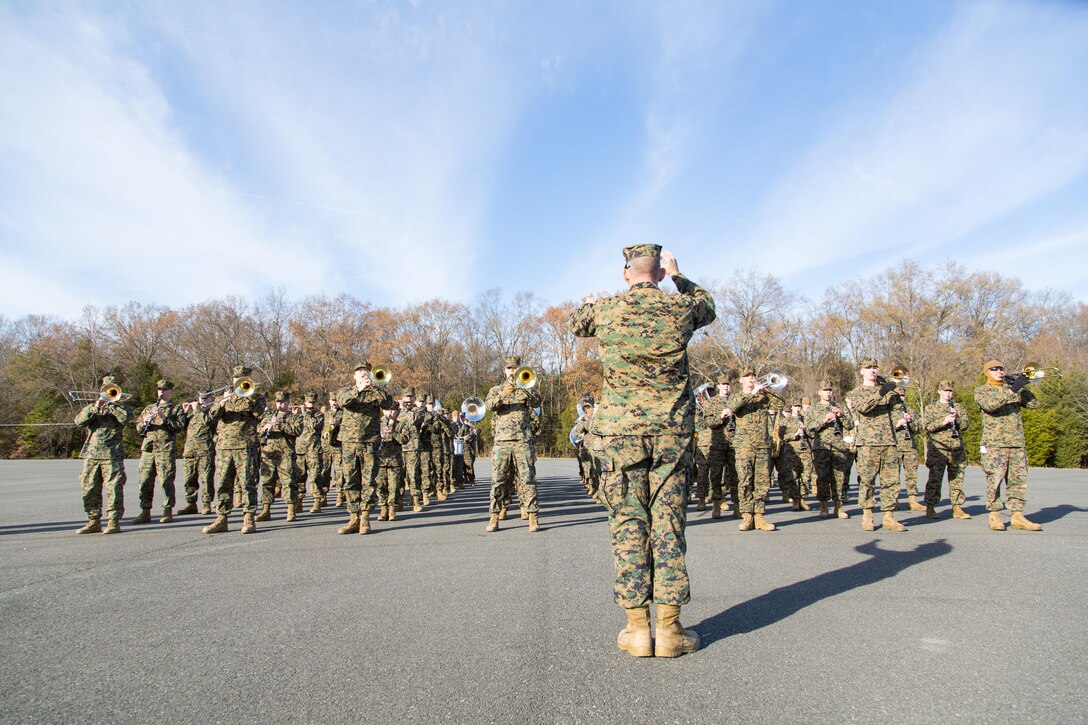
x=41 y=527
x=783 y=602
x=1053 y=513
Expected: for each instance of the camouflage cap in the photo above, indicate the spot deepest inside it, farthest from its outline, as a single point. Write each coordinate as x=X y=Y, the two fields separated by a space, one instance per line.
x=806 y=401
x=241 y=371
x=281 y=396
x=110 y=380
x=164 y=385
x=310 y=398
x=868 y=362
x=364 y=365
x=795 y=403
x=946 y=385
x=641 y=250
x=826 y=385
x=511 y=361
x=411 y=392
x=748 y=372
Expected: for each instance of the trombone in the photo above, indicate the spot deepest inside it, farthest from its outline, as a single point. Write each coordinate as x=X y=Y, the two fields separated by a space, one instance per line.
x=1034 y=371
x=899 y=376
x=473 y=409
x=525 y=378
x=108 y=393
x=381 y=375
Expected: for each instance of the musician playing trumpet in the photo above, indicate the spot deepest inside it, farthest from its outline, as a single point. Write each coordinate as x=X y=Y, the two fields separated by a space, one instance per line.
x=278 y=429
x=199 y=454
x=103 y=461
x=236 y=451
x=875 y=406
x=945 y=423
x=158 y=425
x=752 y=443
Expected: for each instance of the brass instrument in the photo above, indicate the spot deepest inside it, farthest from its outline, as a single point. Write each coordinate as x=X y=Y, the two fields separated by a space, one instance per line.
x=900 y=377
x=244 y=387
x=381 y=375
x=575 y=440
x=525 y=378
x=581 y=408
x=217 y=391
x=108 y=393
x=1034 y=371
x=775 y=380
x=473 y=409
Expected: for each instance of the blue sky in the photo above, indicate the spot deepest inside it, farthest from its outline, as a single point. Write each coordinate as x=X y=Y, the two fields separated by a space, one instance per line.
x=173 y=152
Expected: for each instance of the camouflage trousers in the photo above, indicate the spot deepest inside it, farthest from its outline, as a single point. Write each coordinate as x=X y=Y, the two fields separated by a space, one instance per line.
x=458 y=470
x=729 y=477
x=513 y=461
x=832 y=472
x=438 y=462
x=164 y=465
x=308 y=466
x=878 y=462
x=470 y=466
x=908 y=464
x=199 y=474
x=236 y=468
x=447 y=467
x=754 y=479
x=278 y=467
x=99 y=472
x=644 y=483
x=360 y=474
x=332 y=464
x=938 y=460
x=411 y=473
x=390 y=482
x=788 y=465
x=806 y=472
x=709 y=471
x=1011 y=466
x=587 y=471
x=426 y=471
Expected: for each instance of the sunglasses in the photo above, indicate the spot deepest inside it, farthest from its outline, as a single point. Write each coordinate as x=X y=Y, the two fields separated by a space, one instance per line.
x=996 y=368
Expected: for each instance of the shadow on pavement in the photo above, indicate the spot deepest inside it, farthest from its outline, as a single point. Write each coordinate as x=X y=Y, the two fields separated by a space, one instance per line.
x=783 y=602
x=1053 y=513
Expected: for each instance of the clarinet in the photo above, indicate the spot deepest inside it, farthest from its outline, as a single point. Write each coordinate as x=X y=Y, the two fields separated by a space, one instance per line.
x=838 y=423
x=905 y=412
x=955 y=420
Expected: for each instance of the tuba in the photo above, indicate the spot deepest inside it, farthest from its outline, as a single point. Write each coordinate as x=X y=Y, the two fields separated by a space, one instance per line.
x=473 y=409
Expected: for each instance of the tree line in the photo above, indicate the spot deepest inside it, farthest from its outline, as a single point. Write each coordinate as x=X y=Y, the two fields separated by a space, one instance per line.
x=938 y=322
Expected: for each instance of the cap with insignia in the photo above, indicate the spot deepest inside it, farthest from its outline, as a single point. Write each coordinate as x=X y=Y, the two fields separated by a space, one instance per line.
x=641 y=250
x=946 y=385
x=310 y=398
x=795 y=403
x=241 y=371
x=364 y=365
x=281 y=396
x=868 y=362
x=826 y=385
x=109 y=380
x=164 y=385
x=410 y=393
x=512 y=361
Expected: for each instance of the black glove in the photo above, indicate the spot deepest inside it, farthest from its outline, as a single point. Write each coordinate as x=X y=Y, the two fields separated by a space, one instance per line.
x=886 y=388
x=1018 y=383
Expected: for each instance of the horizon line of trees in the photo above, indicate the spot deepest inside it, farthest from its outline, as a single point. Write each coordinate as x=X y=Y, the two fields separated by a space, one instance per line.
x=940 y=322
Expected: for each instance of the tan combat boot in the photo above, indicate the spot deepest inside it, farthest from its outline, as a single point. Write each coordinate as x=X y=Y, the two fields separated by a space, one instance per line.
x=206 y=508
x=840 y=512
x=716 y=511
x=339 y=499
x=441 y=495
x=867 y=520
x=524 y=514
x=763 y=524
x=190 y=508
x=393 y=513
x=931 y=512
x=996 y=524
x=959 y=513
x=634 y=639
x=93 y=526
x=351 y=527
x=266 y=513
x=167 y=515
x=795 y=504
x=804 y=504
x=891 y=524
x=143 y=518
x=364 y=521
x=292 y=512
x=672 y=639
x=216 y=527
x=416 y=506
x=492 y=523
x=248 y=524
x=700 y=505
x=824 y=513
x=534 y=522
x=426 y=499
x=1021 y=522
x=502 y=514
x=316 y=508
x=747 y=524
x=383 y=515
x=113 y=527
x=912 y=502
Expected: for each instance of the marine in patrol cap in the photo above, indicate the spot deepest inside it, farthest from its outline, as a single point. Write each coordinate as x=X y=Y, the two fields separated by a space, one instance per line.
x=241 y=371
x=164 y=385
x=511 y=361
x=641 y=250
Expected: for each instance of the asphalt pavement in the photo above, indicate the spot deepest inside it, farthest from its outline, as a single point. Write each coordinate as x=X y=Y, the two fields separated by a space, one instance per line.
x=430 y=619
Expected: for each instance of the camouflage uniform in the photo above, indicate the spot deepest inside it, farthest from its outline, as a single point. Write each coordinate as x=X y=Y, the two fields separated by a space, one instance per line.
x=945 y=450
x=471 y=436
x=729 y=470
x=104 y=458
x=907 y=452
x=512 y=456
x=159 y=425
x=710 y=449
x=236 y=448
x=426 y=452
x=445 y=468
x=332 y=463
x=199 y=455
x=752 y=446
x=413 y=419
x=308 y=451
x=1004 y=457
x=644 y=427
x=394 y=434
x=874 y=418
x=462 y=431
x=278 y=430
x=831 y=455
x=792 y=447
x=586 y=468
x=360 y=434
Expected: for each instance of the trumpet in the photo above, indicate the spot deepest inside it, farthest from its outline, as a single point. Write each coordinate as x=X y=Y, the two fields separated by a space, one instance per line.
x=108 y=393
x=473 y=409
x=774 y=380
x=525 y=378
x=381 y=375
